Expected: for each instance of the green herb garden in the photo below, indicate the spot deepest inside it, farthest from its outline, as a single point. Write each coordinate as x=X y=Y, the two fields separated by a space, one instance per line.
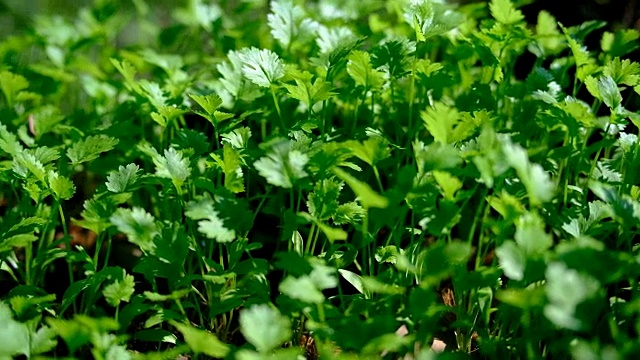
x=399 y=179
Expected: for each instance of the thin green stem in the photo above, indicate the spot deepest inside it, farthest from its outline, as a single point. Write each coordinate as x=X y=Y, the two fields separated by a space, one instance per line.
x=275 y=102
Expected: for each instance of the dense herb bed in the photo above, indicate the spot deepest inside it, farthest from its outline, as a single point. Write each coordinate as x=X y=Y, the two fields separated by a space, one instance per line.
x=336 y=179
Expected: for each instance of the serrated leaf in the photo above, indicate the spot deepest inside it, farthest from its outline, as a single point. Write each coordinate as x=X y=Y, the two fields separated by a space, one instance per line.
x=282 y=166
x=11 y=85
x=123 y=179
x=504 y=12
x=430 y=18
x=301 y=288
x=90 y=148
x=512 y=260
x=231 y=165
x=349 y=213
x=307 y=92
x=366 y=196
x=25 y=164
x=119 y=290
x=62 y=187
x=371 y=151
x=537 y=182
x=331 y=38
x=448 y=183
x=262 y=67
x=15 y=334
x=288 y=23
x=446 y=124
x=623 y=71
x=210 y=103
x=264 y=327
x=238 y=138
x=323 y=200
x=129 y=73
x=173 y=166
x=8 y=142
x=201 y=341
x=210 y=224
x=138 y=225
x=362 y=72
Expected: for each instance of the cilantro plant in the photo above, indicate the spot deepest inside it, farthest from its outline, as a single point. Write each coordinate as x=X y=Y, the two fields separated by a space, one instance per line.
x=319 y=179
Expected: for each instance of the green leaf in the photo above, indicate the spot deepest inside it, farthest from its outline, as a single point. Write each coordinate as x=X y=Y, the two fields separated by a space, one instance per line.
x=620 y=43
x=264 y=327
x=362 y=72
x=123 y=179
x=210 y=103
x=353 y=279
x=307 y=92
x=301 y=288
x=504 y=12
x=366 y=196
x=531 y=236
x=90 y=148
x=566 y=289
x=282 y=166
x=331 y=233
x=8 y=142
x=430 y=18
x=609 y=92
x=448 y=183
x=231 y=165
x=210 y=224
x=202 y=341
x=119 y=290
x=25 y=164
x=323 y=200
x=129 y=73
x=238 y=138
x=173 y=166
x=138 y=225
x=11 y=85
x=371 y=151
x=15 y=335
x=62 y=187
x=288 y=23
x=262 y=67
x=446 y=124
x=537 y=182
x=349 y=213
x=512 y=260
x=623 y=71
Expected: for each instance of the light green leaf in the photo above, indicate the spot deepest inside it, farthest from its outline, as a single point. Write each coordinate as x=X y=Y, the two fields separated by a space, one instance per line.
x=431 y=18
x=610 y=93
x=323 y=200
x=11 y=85
x=301 y=288
x=138 y=225
x=231 y=165
x=202 y=341
x=623 y=71
x=566 y=289
x=62 y=187
x=353 y=279
x=129 y=73
x=362 y=72
x=119 y=290
x=512 y=260
x=90 y=148
x=366 y=196
x=282 y=166
x=24 y=163
x=238 y=138
x=504 y=12
x=349 y=213
x=446 y=124
x=123 y=179
x=288 y=23
x=536 y=180
x=173 y=166
x=210 y=224
x=307 y=92
x=331 y=233
x=371 y=151
x=8 y=142
x=262 y=67
x=448 y=183
x=15 y=335
x=530 y=235
x=210 y=103
x=264 y=327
